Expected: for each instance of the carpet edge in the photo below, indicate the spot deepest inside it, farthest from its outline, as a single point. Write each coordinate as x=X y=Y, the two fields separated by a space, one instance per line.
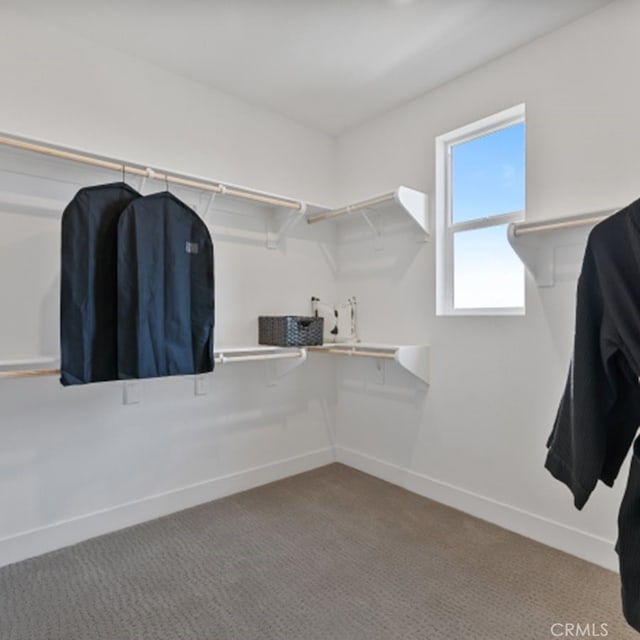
x=63 y=533
x=553 y=534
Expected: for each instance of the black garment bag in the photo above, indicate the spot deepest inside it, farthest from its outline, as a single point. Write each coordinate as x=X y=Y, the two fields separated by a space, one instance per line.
x=88 y=283
x=165 y=289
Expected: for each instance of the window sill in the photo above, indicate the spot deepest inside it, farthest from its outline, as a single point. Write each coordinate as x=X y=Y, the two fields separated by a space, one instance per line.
x=511 y=311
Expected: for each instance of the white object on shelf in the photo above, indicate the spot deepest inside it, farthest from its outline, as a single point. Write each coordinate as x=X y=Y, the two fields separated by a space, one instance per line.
x=408 y=201
x=538 y=244
x=413 y=358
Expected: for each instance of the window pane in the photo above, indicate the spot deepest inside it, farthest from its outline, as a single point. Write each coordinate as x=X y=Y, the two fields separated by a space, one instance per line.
x=487 y=272
x=488 y=175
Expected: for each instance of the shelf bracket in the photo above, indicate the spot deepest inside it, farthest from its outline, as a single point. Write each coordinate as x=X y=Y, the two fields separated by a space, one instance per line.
x=329 y=257
x=279 y=368
x=552 y=249
x=277 y=228
x=537 y=257
x=212 y=199
x=416 y=205
x=546 y=272
x=200 y=385
x=131 y=392
x=415 y=360
x=376 y=228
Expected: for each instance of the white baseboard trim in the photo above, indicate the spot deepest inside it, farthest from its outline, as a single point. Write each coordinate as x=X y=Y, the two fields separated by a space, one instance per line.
x=67 y=532
x=554 y=534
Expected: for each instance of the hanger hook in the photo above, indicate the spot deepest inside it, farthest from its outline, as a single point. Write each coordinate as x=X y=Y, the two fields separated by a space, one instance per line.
x=166 y=181
x=123 y=174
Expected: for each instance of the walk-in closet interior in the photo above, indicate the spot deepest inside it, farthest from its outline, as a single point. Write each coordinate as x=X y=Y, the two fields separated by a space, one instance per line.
x=319 y=319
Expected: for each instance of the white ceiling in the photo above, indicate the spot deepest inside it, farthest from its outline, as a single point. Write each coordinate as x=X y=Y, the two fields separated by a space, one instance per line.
x=329 y=64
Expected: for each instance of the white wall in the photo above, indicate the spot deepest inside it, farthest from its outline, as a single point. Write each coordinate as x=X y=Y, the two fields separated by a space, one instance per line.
x=76 y=462
x=477 y=439
x=62 y=89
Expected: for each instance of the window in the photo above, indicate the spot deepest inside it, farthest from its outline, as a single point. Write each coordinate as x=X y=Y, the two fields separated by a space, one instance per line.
x=480 y=189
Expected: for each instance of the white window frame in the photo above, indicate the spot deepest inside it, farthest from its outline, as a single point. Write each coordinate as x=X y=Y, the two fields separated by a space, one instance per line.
x=446 y=229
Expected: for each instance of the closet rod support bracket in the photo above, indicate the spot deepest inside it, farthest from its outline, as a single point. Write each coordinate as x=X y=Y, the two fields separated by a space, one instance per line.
x=278 y=228
x=376 y=228
x=200 y=385
x=131 y=392
x=279 y=368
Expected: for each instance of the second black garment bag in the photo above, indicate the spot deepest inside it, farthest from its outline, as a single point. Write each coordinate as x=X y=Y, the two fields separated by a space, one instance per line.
x=88 y=283
x=165 y=289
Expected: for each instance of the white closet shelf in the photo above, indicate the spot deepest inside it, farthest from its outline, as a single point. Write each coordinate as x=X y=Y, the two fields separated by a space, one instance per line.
x=537 y=243
x=22 y=364
x=413 y=358
x=407 y=201
x=32 y=203
x=281 y=212
x=145 y=171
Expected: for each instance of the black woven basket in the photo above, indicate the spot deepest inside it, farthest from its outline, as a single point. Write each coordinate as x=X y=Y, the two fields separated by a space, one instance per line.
x=290 y=331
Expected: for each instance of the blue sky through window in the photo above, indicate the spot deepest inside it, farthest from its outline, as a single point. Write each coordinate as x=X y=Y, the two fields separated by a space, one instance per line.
x=487 y=272
x=488 y=179
x=488 y=175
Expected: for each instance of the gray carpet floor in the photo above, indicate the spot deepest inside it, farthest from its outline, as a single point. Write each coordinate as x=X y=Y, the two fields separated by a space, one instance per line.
x=332 y=554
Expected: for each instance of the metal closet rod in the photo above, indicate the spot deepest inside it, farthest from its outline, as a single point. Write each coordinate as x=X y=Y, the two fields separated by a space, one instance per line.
x=363 y=354
x=29 y=373
x=150 y=173
x=365 y=204
x=351 y=351
x=551 y=225
x=220 y=358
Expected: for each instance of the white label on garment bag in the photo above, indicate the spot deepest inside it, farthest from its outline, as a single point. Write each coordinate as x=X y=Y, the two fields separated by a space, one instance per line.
x=191 y=247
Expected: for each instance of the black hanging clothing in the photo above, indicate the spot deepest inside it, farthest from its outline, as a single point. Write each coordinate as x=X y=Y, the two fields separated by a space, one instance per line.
x=88 y=283
x=165 y=289
x=599 y=413
x=600 y=410
x=628 y=547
